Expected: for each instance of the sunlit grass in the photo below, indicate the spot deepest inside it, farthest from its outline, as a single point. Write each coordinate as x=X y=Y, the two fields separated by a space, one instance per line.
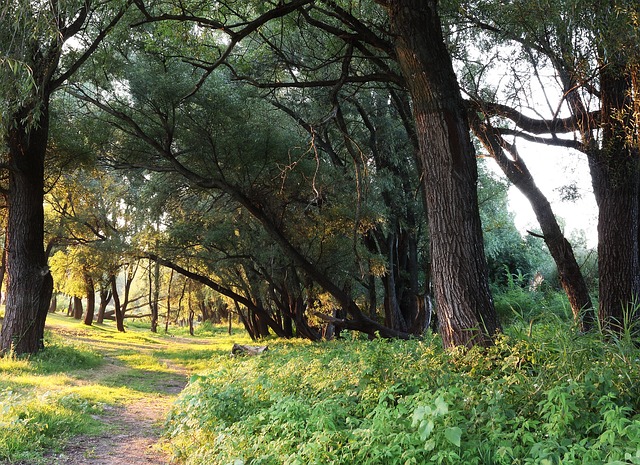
x=56 y=394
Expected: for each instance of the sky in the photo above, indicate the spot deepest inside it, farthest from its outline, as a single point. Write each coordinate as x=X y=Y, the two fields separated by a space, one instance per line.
x=552 y=169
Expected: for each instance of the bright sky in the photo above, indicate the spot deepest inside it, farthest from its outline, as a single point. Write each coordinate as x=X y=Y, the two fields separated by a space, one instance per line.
x=552 y=168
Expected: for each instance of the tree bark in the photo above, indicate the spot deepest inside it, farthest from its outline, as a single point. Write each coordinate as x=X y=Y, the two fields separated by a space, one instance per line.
x=53 y=304
x=615 y=171
x=154 y=294
x=116 y=304
x=77 y=308
x=30 y=283
x=446 y=160
x=91 y=301
x=105 y=297
x=166 y=321
x=3 y=264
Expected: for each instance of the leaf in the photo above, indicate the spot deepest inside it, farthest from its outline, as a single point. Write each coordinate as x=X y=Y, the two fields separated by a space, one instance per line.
x=441 y=407
x=453 y=435
x=420 y=413
x=425 y=429
x=195 y=378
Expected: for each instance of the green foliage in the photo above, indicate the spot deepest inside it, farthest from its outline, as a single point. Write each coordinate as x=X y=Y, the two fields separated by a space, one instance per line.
x=516 y=301
x=34 y=420
x=503 y=243
x=554 y=397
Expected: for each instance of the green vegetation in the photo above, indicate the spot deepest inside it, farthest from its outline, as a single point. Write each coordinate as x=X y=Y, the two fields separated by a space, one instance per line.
x=544 y=394
x=49 y=398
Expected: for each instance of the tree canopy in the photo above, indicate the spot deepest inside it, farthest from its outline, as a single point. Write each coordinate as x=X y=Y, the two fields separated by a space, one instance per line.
x=311 y=163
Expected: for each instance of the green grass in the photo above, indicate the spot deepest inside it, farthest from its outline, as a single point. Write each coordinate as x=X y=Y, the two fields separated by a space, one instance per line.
x=550 y=397
x=544 y=394
x=49 y=398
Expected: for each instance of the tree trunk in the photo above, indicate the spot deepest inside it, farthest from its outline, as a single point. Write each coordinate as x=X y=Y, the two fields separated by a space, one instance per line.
x=91 y=301
x=615 y=172
x=191 y=313
x=560 y=249
x=166 y=320
x=105 y=297
x=53 y=304
x=77 y=308
x=446 y=160
x=30 y=283
x=154 y=294
x=116 y=304
x=3 y=263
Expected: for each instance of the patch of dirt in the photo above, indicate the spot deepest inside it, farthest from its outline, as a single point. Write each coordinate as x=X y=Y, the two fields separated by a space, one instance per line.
x=131 y=439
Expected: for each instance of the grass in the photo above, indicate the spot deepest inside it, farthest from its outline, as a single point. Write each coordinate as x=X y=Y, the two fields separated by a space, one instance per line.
x=49 y=398
x=542 y=395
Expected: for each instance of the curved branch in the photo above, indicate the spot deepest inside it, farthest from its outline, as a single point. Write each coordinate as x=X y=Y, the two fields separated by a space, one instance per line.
x=538 y=126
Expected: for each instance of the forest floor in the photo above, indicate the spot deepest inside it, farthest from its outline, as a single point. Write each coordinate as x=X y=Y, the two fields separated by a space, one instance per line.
x=140 y=376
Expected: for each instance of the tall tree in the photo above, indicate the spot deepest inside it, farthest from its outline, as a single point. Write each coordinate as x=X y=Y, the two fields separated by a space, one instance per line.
x=447 y=162
x=446 y=157
x=592 y=50
x=37 y=59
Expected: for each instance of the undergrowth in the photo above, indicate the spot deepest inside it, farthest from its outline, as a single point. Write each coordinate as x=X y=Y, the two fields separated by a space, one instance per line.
x=36 y=412
x=553 y=396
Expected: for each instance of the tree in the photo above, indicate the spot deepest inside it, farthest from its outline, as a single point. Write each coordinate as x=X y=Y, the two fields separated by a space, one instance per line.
x=592 y=49
x=517 y=172
x=447 y=166
x=447 y=162
x=36 y=61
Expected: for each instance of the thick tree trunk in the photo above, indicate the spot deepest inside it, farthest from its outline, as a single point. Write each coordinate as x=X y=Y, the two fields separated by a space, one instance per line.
x=30 y=282
x=560 y=249
x=615 y=172
x=446 y=160
x=617 y=197
x=91 y=301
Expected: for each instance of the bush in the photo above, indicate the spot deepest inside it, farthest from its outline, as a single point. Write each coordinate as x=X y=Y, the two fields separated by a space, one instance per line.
x=556 y=397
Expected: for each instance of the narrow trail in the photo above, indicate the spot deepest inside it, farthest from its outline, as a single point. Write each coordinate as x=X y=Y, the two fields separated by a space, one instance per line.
x=133 y=430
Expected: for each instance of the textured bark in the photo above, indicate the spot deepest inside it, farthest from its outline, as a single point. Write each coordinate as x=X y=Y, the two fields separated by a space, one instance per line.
x=446 y=159
x=560 y=249
x=615 y=172
x=91 y=301
x=30 y=284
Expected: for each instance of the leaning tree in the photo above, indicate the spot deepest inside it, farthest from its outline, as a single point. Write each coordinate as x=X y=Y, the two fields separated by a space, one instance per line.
x=591 y=50
x=405 y=39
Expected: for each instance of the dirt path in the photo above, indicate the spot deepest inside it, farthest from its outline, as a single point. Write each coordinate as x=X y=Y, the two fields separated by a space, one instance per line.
x=134 y=430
